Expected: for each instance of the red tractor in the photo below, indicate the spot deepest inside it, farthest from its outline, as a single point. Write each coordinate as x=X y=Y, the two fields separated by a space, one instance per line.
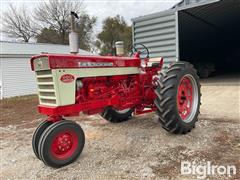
x=116 y=88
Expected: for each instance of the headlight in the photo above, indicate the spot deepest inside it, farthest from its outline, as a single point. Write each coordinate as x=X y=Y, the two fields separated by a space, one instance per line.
x=41 y=63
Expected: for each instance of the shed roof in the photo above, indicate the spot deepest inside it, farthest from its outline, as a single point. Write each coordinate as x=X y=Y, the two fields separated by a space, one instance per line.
x=188 y=2
x=26 y=49
x=174 y=9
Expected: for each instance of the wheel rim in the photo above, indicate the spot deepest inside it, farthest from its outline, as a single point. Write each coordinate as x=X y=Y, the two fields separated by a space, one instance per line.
x=122 y=111
x=64 y=144
x=187 y=98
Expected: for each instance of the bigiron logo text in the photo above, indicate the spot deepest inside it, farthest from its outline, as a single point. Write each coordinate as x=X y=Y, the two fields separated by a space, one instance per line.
x=204 y=169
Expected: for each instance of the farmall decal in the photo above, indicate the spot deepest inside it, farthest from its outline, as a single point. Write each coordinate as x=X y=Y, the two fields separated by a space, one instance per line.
x=67 y=78
x=95 y=64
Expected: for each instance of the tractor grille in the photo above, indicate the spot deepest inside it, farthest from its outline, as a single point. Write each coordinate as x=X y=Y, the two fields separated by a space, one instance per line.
x=47 y=93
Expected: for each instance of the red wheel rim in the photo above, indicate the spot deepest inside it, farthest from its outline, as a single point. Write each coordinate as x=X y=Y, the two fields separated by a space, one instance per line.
x=64 y=144
x=185 y=97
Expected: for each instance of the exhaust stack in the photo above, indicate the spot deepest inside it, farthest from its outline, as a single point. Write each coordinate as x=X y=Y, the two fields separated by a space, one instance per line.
x=73 y=35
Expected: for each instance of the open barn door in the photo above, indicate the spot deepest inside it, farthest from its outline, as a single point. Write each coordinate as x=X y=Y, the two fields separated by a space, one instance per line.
x=209 y=36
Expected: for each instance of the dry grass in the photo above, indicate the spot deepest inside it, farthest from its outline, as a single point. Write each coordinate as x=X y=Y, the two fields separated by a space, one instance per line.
x=18 y=110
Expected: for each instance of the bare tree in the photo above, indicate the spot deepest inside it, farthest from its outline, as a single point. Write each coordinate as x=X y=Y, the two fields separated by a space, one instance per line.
x=18 y=23
x=54 y=14
x=49 y=23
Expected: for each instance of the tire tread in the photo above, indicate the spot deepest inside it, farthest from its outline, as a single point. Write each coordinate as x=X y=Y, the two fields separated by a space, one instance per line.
x=164 y=101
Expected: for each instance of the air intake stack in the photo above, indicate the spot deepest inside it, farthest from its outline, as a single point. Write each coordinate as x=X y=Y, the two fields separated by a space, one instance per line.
x=119 y=48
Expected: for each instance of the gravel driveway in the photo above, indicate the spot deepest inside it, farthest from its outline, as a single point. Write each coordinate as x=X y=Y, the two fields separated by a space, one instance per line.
x=136 y=149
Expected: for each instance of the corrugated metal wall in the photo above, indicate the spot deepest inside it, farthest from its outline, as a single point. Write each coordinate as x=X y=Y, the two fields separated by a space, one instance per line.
x=17 y=79
x=158 y=33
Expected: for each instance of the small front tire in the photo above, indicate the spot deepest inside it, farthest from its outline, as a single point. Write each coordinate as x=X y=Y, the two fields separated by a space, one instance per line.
x=61 y=143
x=37 y=134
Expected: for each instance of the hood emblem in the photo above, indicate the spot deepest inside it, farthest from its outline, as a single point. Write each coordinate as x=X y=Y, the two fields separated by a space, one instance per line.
x=67 y=78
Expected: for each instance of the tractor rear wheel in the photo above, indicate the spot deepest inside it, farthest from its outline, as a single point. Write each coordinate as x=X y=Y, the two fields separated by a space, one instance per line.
x=61 y=143
x=116 y=116
x=178 y=98
x=37 y=134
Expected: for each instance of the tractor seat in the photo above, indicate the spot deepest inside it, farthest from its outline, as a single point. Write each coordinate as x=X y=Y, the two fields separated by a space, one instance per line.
x=154 y=62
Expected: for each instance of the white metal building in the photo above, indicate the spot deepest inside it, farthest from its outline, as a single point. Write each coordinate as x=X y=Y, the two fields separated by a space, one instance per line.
x=16 y=77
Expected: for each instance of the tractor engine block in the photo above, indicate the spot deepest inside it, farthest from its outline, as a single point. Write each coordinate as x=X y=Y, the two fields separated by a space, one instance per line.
x=124 y=88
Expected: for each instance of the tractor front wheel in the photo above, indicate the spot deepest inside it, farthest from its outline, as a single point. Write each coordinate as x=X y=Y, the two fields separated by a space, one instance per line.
x=116 y=116
x=61 y=143
x=37 y=134
x=178 y=98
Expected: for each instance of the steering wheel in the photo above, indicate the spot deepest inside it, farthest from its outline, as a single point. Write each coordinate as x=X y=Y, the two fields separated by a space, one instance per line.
x=141 y=49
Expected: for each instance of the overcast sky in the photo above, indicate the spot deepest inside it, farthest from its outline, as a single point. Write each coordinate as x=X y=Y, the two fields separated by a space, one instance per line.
x=103 y=8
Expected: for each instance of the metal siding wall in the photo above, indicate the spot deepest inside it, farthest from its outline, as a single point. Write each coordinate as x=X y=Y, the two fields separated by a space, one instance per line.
x=158 y=33
x=18 y=79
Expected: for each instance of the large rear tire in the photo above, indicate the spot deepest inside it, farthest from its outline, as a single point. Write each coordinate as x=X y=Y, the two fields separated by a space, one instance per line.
x=115 y=116
x=178 y=98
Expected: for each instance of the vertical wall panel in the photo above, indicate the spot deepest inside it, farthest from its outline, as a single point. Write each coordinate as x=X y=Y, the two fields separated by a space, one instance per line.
x=18 y=79
x=158 y=33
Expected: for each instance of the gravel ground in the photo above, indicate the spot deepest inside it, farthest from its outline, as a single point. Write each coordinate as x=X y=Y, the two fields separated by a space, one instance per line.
x=136 y=149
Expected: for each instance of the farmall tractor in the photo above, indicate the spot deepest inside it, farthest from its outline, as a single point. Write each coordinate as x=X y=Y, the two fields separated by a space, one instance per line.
x=114 y=87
